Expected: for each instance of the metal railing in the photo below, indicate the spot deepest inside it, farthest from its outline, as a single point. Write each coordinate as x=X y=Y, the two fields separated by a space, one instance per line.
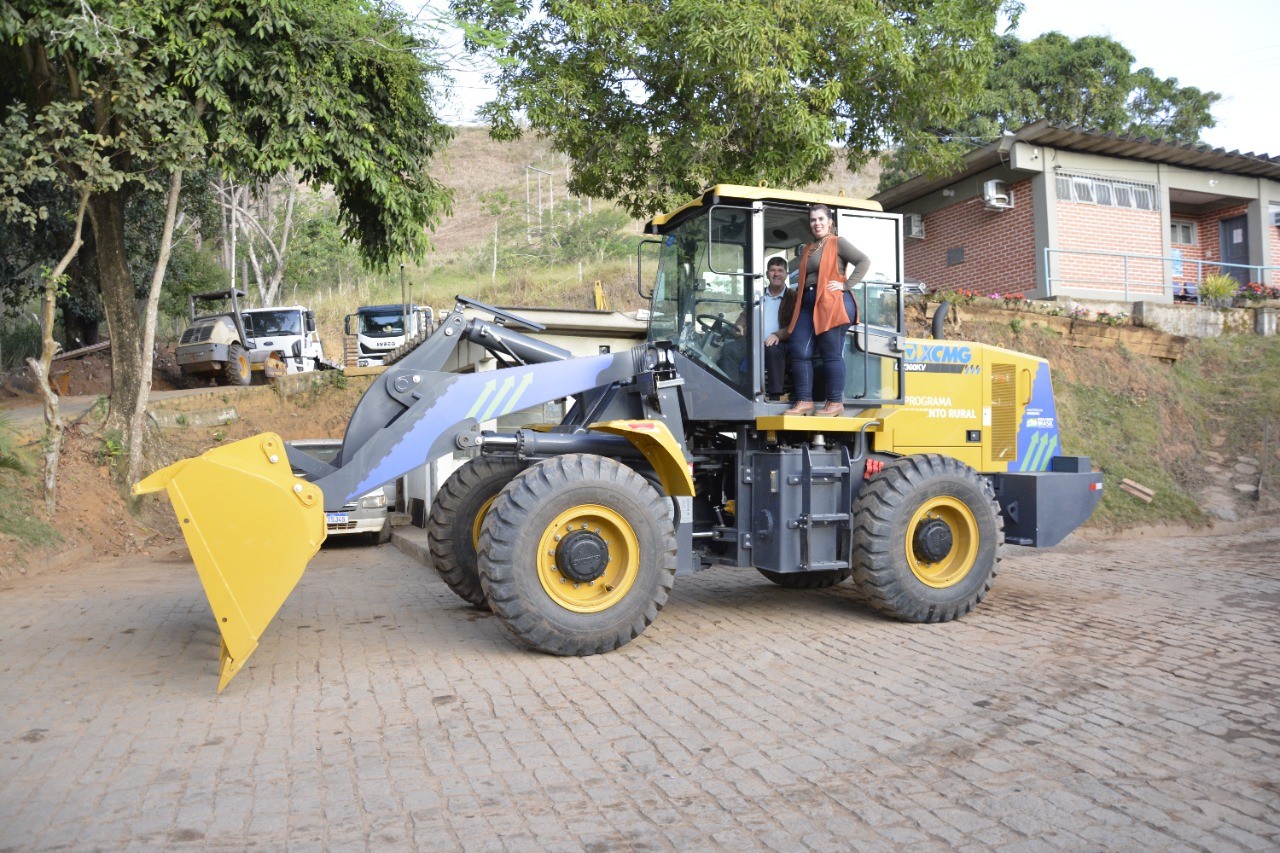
x=1173 y=278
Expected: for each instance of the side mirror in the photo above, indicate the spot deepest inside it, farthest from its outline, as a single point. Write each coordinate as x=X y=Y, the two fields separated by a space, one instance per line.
x=346 y=324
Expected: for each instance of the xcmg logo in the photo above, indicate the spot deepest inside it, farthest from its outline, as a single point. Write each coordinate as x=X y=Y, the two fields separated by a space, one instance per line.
x=938 y=353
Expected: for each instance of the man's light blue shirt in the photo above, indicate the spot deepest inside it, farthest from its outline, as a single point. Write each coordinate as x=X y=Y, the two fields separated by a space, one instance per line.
x=771 y=305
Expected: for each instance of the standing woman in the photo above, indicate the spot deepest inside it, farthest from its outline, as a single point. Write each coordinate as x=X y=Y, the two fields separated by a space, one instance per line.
x=829 y=266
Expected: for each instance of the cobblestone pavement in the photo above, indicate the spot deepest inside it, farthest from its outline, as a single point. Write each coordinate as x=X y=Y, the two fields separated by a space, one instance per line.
x=1114 y=696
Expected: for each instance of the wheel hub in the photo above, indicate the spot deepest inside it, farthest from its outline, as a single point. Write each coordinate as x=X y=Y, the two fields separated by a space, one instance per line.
x=582 y=556
x=933 y=540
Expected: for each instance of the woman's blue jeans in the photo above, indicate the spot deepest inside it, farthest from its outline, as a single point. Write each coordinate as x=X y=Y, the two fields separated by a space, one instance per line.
x=829 y=347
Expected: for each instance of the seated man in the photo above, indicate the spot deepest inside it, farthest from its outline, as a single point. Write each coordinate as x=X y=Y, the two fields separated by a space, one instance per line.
x=777 y=301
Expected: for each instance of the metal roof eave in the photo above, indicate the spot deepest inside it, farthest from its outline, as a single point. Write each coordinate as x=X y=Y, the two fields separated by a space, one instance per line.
x=1074 y=138
x=721 y=192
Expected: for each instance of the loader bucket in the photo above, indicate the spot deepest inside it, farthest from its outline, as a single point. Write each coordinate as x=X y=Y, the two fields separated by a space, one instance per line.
x=251 y=527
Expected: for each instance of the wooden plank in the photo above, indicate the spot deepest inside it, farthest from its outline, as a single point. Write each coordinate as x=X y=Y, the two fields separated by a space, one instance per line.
x=1137 y=490
x=76 y=353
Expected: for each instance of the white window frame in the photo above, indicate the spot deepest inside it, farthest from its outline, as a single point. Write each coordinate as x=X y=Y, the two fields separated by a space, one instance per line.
x=1105 y=192
x=1177 y=227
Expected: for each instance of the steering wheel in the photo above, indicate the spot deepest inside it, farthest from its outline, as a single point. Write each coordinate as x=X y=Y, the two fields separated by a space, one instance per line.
x=713 y=326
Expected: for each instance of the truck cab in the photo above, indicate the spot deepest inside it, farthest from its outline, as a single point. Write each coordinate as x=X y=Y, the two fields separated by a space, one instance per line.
x=291 y=329
x=379 y=329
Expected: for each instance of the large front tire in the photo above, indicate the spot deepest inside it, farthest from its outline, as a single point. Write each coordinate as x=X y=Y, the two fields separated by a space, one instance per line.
x=237 y=370
x=927 y=535
x=457 y=513
x=577 y=555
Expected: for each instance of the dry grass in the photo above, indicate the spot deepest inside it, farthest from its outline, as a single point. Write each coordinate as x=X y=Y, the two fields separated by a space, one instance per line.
x=474 y=165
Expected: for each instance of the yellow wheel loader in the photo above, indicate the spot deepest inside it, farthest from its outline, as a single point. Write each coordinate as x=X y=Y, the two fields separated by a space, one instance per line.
x=670 y=458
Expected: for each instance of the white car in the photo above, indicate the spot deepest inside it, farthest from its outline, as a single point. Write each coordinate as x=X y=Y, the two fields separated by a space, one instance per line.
x=366 y=515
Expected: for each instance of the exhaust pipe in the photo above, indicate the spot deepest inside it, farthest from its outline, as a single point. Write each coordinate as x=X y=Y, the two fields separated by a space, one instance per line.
x=938 y=317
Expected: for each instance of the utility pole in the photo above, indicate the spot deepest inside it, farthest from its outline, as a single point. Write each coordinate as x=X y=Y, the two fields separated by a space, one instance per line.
x=538 y=175
x=404 y=302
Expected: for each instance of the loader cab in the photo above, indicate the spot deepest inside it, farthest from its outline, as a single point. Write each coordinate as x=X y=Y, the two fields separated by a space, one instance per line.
x=709 y=281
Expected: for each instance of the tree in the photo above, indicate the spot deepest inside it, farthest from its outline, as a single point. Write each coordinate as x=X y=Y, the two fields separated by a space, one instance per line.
x=1088 y=82
x=653 y=101
x=259 y=218
x=129 y=95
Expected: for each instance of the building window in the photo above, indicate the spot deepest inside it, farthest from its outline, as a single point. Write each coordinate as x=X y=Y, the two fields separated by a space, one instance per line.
x=1182 y=233
x=1105 y=192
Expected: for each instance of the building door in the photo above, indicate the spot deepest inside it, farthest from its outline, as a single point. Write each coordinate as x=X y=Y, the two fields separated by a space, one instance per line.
x=1233 y=237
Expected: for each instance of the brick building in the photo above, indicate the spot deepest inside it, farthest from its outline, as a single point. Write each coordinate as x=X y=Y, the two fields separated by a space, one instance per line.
x=1056 y=211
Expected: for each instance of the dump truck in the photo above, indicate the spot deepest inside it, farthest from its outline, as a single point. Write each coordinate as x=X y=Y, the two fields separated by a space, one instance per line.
x=669 y=458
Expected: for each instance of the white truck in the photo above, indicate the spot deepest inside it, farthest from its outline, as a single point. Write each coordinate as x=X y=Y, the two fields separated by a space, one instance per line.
x=291 y=329
x=379 y=329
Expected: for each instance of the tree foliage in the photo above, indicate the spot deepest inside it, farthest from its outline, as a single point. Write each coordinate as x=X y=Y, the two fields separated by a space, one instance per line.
x=1089 y=82
x=653 y=101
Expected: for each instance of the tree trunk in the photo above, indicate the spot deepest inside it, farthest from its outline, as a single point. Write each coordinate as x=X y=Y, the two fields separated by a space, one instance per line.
x=53 y=427
x=129 y=385
x=137 y=416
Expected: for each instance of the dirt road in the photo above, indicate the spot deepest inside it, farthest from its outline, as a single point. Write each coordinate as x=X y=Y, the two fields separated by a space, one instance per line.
x=1112 y=695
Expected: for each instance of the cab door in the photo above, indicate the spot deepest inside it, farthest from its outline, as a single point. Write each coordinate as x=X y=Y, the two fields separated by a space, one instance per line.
x=873 y=353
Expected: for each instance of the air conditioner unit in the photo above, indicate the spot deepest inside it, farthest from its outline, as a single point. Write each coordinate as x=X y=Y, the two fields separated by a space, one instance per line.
x=913 y=225
x=995 y=196
x=1275 y=217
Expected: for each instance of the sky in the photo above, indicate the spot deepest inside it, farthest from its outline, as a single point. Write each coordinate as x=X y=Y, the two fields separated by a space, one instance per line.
x=1231 y=47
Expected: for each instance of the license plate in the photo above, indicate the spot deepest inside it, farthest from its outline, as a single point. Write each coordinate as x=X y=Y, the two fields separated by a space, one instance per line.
x=335 y=518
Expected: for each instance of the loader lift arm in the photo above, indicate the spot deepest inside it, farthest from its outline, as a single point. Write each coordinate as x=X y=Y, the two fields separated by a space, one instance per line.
x=415 y=413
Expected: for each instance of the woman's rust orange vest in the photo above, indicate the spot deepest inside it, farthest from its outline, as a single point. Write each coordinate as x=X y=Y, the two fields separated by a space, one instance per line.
x=828 y=305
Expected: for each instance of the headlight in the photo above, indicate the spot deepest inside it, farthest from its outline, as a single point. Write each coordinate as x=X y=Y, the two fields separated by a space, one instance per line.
x=374 y=501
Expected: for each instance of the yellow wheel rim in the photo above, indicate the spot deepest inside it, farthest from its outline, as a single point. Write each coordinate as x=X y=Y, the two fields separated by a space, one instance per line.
x=479 y=522
x=952 y=567
x=242 y=366
x=619 y=573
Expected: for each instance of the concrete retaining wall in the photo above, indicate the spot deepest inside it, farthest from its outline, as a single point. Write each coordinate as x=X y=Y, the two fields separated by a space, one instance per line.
x=1197 y=321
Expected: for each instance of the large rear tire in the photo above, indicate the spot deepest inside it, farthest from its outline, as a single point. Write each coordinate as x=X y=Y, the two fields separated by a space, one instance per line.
x=457 y=513
x=577 y=555
x=807 y=580
x=237 y=370
x=927 y=535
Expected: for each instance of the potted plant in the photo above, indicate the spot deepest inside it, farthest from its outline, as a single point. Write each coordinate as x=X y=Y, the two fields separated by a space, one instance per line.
x=1218 y=290
x=1256 y=294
